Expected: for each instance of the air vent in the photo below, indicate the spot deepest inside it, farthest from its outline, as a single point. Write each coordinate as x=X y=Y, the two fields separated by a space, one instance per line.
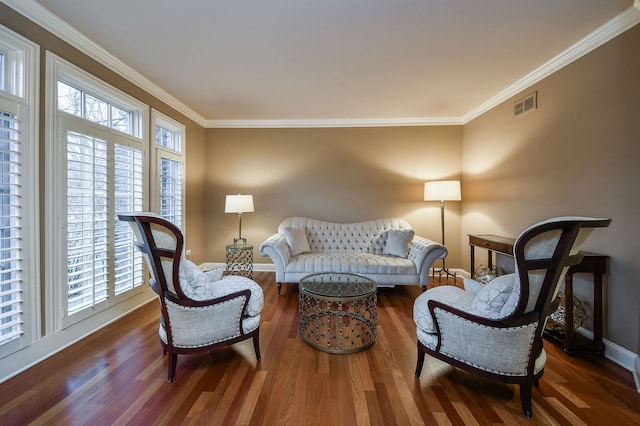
x=526 y=104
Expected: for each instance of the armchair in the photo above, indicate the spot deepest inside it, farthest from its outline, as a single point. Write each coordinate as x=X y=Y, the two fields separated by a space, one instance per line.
x=495 y=331
x=201 y=312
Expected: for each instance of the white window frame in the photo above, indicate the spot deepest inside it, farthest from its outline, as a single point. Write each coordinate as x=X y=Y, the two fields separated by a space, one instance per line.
x=56 y=124
x=19 y=92
x=158 y=152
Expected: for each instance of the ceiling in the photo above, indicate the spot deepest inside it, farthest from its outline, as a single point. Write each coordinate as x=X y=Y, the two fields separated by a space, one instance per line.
x=386 y=61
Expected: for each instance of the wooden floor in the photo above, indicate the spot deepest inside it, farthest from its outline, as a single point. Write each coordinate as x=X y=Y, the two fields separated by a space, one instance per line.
x=118 y=376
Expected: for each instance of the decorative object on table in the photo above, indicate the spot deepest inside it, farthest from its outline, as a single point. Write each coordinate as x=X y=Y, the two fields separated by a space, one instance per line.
x=496 y=333
x=444 y=190
x=557 y=320
x=239 y=204
x=484 y=274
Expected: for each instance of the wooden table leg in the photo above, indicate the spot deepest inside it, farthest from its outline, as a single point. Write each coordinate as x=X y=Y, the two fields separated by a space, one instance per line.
x=568 y=314
x=473 y=261
x=598 y=345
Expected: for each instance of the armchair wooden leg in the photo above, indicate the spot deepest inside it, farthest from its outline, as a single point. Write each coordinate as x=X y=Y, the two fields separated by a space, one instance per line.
x=420 y=361
x=256 y=344
x=525 y=399
x=173 y=362
x=279 y=285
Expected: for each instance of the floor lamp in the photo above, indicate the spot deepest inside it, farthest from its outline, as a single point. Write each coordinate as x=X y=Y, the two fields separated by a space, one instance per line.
x=444 y=190
x=239 y=204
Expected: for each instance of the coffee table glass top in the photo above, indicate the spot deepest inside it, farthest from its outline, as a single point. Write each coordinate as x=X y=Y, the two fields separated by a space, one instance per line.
x=337 y=285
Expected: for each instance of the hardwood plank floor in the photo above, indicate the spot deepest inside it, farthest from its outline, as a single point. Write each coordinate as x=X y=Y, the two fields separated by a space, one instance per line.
x=117 y=376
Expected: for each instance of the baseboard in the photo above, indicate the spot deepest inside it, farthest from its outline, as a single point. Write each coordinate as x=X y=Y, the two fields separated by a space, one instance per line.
x=260 y=267
x=616 y=353
x=636 y=374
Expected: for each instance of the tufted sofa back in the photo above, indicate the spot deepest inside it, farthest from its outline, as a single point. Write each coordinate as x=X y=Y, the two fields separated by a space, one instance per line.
x=333 y=238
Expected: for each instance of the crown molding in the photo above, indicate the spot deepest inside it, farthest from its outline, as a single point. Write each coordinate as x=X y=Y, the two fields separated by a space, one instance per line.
x=335 y=122
x=608 y=31
x=50 y=22
x=37 y=13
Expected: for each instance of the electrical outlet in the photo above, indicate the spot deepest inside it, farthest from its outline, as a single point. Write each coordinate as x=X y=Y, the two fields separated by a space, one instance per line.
x=188 y=253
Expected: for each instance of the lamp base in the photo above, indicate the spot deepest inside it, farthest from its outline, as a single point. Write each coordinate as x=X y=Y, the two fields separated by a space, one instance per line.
x=236 y=240
x=443 y=271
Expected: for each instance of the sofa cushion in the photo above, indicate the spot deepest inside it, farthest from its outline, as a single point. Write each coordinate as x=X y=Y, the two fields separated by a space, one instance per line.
x=398 y=242
x=297 y=240
x=356 y=263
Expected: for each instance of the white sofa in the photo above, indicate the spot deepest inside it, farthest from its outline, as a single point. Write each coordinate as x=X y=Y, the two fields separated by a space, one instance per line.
x=386 y=250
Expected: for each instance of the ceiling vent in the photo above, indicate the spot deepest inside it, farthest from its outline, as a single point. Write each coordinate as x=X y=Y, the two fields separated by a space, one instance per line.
x=526 y=104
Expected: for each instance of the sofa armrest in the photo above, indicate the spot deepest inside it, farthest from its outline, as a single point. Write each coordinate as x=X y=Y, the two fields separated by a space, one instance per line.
x=423 y=253
x=277 y=249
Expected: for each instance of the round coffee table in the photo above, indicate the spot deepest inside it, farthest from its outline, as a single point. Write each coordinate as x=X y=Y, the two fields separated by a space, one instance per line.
x=338 y=312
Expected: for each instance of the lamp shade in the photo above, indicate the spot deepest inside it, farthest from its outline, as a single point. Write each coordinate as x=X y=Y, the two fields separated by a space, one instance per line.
x=238 y=204
x=443 y=190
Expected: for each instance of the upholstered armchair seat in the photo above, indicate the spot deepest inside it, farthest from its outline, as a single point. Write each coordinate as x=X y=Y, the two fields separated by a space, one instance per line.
x=217 y=321
x=495 y=330
x=201 y=311
x=474 y=340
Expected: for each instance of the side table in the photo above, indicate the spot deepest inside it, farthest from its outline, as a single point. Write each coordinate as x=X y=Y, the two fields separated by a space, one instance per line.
x=240 y=260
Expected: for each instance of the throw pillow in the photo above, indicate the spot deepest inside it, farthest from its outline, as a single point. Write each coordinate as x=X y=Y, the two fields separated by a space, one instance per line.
x=214 y=274
x=193 y=281
x=398 y=242
x=494 y=295
x=297 y=240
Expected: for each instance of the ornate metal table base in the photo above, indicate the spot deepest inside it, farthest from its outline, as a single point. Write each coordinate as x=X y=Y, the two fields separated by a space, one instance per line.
x=240 y=260
x=338 y=312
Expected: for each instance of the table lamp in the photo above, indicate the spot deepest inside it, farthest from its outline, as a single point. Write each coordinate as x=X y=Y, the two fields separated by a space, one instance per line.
x=444 y=190
x=239 y=204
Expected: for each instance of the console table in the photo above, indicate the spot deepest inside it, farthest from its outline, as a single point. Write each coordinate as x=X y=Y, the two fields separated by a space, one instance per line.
x=592 y=263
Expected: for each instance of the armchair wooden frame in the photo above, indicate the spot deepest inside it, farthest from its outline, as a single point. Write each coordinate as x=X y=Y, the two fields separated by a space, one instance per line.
x=146 y=243
x=546 y=303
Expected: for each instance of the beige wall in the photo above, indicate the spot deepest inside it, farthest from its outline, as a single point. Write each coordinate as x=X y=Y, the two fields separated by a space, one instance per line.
x=340 y=174
x=578 y=153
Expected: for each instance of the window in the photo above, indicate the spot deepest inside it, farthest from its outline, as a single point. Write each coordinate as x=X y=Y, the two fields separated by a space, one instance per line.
x=99 y=161
x=81 y=104
x=19 y=275
x=168 y=159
